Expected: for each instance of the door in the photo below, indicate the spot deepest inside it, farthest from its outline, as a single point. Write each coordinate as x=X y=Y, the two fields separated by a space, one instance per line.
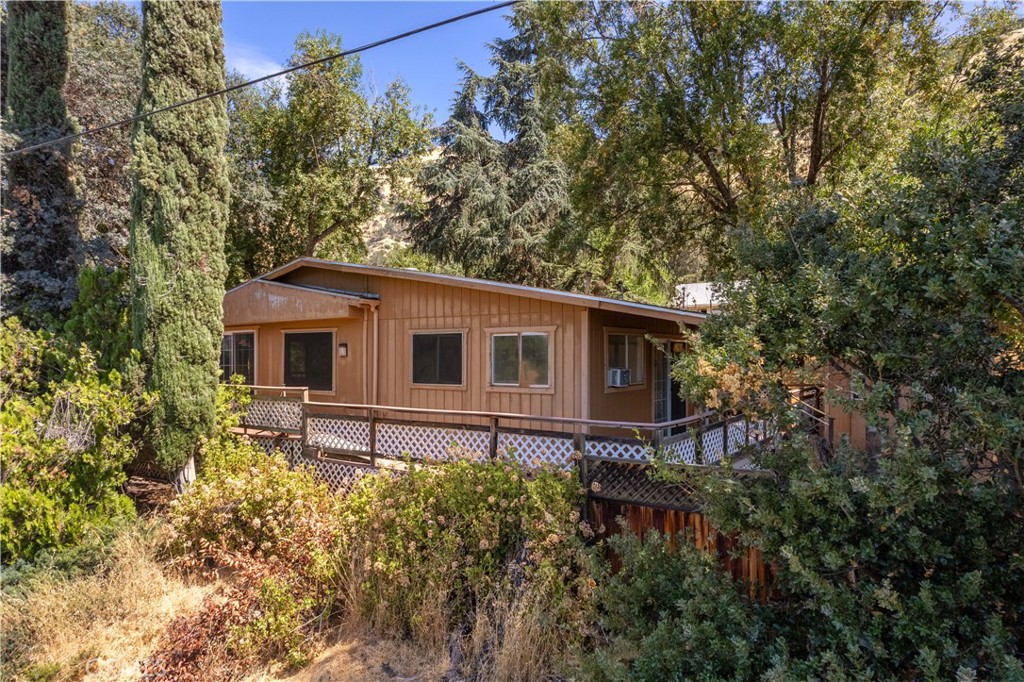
x=668 y=405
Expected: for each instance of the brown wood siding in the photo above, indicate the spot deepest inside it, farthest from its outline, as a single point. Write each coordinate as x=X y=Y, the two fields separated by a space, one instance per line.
x=348 y=378
x=407 y=306
x=636 y=403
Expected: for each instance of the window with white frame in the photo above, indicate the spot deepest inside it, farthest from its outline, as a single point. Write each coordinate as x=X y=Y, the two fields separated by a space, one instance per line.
x=521 y=359
x=437 y=358
x=238 y=356
x=309 y=360
x=626 y=351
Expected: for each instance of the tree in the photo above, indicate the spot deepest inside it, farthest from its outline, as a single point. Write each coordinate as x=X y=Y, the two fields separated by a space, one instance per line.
x=496 y=208
x=317 y=159
x=903 y=564
x=41 y=249
x=179 y=213
x=103 y=85
x=682 y=120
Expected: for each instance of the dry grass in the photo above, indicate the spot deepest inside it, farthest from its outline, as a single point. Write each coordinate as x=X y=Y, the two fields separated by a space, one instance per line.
x=359 y=657
x=98 y=627
x=510 y=641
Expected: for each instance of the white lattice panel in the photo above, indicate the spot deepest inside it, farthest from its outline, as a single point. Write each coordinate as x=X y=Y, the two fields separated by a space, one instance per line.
x=339 y=476
x=338 y=434
x=712 y=441
x=632 y=451
x=430 y=442
x=274 y=414
x=534 y=449
x=737 y=435
x=291 y=448
x=683 y=450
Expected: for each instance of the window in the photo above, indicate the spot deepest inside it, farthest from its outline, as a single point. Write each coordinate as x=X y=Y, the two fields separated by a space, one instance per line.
x=437 y=358
x=520 y=359
x=626 y=351
x=309 y=360
x=238 y=356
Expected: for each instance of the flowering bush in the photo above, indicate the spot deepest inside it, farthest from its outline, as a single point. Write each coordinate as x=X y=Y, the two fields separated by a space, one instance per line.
x=245 y=502
x=273 y=526
x=429 y=549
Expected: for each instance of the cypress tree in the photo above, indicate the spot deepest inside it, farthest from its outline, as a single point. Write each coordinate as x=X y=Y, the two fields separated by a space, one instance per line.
x=41 y=246
x=179 y=214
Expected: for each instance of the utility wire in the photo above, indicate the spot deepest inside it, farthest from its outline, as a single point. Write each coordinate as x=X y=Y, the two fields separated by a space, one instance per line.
x=239 y=86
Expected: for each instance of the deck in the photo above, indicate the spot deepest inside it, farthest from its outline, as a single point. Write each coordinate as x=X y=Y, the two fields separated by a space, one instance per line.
x=343 y=442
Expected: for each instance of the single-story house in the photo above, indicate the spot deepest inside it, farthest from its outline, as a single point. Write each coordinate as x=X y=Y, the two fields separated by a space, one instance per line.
x=367 y=335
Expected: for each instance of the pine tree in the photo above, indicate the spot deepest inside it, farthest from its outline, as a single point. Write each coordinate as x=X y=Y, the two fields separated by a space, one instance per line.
x=495 y=207
x=41 y=245
x=179 y=214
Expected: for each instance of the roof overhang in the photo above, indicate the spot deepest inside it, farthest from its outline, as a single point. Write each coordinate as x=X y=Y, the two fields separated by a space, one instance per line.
x=686 y=317
x=259 y=301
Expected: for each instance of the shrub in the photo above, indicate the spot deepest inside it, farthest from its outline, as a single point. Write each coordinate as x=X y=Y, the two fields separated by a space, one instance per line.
x=272 y=525
x=245 y=502
x=671 y=613
x=65 y=442
x=438 y=548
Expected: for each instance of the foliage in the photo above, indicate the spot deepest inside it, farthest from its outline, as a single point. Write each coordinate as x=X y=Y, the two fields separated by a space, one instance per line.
x=495 y=208
x=179 y=214
x=671 y=613
x=900 y=294
x=683 y=121
x=65 y=443
x=103 y=84
x=40 y=237
x=430 y=547
x=272 y=526
x=99 y=316
x=245 y=502
x=315 y=160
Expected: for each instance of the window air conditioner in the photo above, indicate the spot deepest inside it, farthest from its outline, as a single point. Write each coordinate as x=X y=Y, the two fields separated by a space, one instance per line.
x=618 y=377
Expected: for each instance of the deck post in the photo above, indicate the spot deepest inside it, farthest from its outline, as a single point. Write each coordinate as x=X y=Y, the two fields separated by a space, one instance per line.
x=373 y=438
x=725 y=439
x=493 y=446
x=584 y=476
x=304 y=427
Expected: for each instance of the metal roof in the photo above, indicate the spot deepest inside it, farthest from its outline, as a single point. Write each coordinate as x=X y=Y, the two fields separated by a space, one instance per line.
x=582 y=300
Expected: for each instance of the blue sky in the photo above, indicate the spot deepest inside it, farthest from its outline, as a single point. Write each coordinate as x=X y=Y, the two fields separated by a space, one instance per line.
x=259 y=36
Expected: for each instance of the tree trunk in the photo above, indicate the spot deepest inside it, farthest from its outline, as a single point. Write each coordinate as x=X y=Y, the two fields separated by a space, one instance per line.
x=185 y=476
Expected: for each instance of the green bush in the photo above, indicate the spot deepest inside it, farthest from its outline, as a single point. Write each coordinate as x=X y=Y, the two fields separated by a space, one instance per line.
x=431 y=547
x=54 y=491
x=246 y=502
x=671 y=613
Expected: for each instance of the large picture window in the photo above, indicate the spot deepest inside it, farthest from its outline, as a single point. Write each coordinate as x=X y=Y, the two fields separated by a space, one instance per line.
x=626 y=351
x=437 y=358
x=521 y=359
x=238 y=356
x=309 y=360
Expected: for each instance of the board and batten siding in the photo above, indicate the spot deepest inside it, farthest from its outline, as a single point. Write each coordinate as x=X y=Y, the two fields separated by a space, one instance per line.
x=408 y=306
x=636 y=403
x=348 y=372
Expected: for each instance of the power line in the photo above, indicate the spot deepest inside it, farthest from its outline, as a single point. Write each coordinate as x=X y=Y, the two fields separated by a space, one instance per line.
x=239 y=86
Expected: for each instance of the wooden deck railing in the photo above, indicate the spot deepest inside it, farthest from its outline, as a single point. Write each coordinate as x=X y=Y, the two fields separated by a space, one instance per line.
x=394 y=432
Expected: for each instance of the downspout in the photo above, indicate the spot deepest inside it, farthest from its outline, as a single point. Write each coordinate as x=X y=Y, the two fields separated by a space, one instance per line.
x=376 y=353
x=366 y=355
